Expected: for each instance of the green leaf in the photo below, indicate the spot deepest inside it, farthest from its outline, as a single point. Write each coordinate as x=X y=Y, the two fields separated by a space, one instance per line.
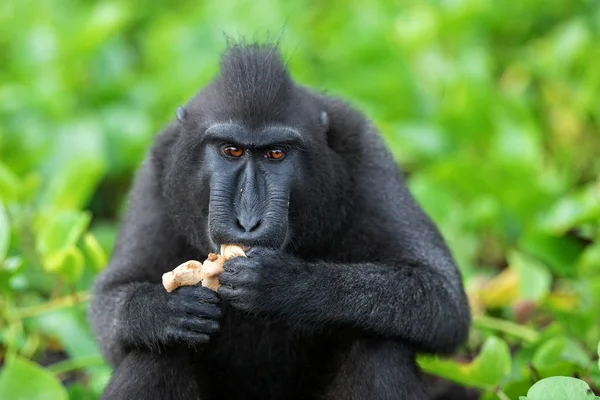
x=68 y=263
x=75 y=168
x=95 y=252
x=559 y=388
x=77 y=391
x=549 y=354
x=485 y=372
x=558 y=355
x=589 y=262
x=30 y=185
x=104 y=19
x=446 y=368
x=22 y=379
x=573 y=210
x=493 y=362
x=69 y=326
x=423 y=139
x=60 y=230
x=559 y=253
x=9 y=184
x=4 y=232
x=516 y=142
x=534 y=277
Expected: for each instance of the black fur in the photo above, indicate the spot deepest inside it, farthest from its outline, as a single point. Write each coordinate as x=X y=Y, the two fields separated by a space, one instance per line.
x=346 y=279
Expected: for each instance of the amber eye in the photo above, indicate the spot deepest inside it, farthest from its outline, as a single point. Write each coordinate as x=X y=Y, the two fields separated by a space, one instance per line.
x=275 y=154
x=232 y=151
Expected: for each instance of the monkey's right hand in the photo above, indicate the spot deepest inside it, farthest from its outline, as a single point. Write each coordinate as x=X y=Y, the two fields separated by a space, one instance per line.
x=188 y=315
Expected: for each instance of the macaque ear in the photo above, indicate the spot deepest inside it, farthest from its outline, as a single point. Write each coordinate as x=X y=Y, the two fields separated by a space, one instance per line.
x=324 y=120
x=186 y=121
x=181 y=114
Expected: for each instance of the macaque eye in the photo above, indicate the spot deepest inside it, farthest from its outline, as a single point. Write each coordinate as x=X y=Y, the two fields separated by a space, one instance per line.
x=275 y=154
x=233 y=151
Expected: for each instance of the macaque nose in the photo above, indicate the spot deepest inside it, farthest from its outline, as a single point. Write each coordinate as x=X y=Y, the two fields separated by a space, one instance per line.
x=248 y=223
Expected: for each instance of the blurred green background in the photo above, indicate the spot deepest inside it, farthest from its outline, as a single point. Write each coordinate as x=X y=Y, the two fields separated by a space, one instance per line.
x=492 y=108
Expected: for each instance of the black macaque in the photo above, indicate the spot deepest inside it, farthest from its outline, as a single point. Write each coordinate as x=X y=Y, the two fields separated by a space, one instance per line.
x=346 y=277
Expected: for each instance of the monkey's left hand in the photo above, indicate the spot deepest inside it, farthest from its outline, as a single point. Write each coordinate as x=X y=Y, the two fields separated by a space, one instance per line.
x=266 y=282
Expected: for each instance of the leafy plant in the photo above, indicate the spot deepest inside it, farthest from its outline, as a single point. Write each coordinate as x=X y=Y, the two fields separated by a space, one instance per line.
x=490 y=107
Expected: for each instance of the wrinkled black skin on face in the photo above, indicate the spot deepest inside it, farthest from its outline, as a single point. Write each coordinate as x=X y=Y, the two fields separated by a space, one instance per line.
x=346 y=280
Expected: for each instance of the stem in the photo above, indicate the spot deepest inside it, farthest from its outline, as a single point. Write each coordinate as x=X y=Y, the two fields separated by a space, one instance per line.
x=57 y=288
x=508 y=327
x=52 y=305
x=73 y=364
x=534 y=373
x=501 y=395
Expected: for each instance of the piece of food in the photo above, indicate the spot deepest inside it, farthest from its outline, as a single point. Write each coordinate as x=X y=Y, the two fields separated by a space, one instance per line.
x=191 y=272
x=211 y=269
x=187 y=274
x=231 y=250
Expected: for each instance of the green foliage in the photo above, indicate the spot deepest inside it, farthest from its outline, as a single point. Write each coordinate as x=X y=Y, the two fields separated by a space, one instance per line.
x=22 y=379
x=491 y=107
x=486 y=371
x=560 y=388
x=4 y=232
